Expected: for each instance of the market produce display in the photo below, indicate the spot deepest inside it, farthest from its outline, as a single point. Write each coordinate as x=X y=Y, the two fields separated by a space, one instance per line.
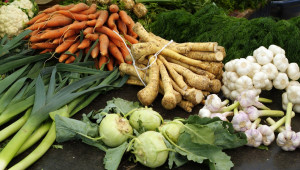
x=192 y=54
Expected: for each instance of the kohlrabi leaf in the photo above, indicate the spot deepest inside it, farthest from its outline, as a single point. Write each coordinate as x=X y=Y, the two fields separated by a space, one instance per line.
x=200 y=134
x=174 y=157
x=72 y=129
x=118 y=105
x=195 y=119
x=225 y=136
x=113 y=156
x=200 y=152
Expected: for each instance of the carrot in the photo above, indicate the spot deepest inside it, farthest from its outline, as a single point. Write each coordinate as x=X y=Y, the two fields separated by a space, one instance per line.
x=51 y=9
x=63 y=57
x=77 y=25
x=71 y=33
x=65 y=7
x=121 y=26
x=58 y=40
x=54 y=33
x=44 y=45
x=113 y=49
x=108 y=32
x=102 y=60
x=130 y=28
x=92 y=37
x=88 y=30
x=91 y=23
x=71 y=59
x=86 y=50
x=36 y=38
x=117 y=42
x=75 y=16
x=66 y=44
x=111 y=21
x=33 y=33
x=54 y=22
x=79 y=7
x=44 y=18
x=94 y=16
x=130 y=39
x=102 y=18
x=124 y=52
x=92 y=9
x=34 y=19
x=46 y=51
x=74 y=47
x=110 y=64
x=95 y=51
x=104 y=42
x=124 y=17
x=113 y=8
x=84 y=44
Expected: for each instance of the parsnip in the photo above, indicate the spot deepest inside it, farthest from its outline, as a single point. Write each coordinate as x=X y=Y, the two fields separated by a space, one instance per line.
x=202 y=46
x=176 y=77
x=222 y=50
x=198 y=81
x=206 y=56
x=168 y=101
x=186 y=105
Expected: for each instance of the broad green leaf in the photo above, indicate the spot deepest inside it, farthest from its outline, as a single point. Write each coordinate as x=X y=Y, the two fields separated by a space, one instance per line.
x=200 y=134
x=40 y=95
x=195 y=119
x=200 y=152
x=114 y=156
x=118 y=105
x=52 y=85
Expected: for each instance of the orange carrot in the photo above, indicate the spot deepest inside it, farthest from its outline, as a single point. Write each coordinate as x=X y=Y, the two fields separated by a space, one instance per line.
x=66 y=44
x=111 y=21
x=94 y=16
x=44 y=18
x=95 y=51
x=75 y=16
x=117 y=42
x=79 y=7
x=36 y=38
x=71 y=59
x=104 y=43
x=92 y=37
x=86 y=50
x=102 y=18
x=113 y=49
x=63 y=57
x=130 y=28
x=122 y=26
x=92 y=9
x=124 y=52
x=110 y=64
x=46 y=51
x=54 y=22
x=124 y=17
x=130 y=39
x=74 y=47
x=113 y=8
x=58 y=40
x=84 y=44
x=52 y=34
x=65 y=7
x=51 y=9
x=70 y=33
x=108 y=32
x=44 y=45
x=77 y=25
x=34 y=19
x=91 y=23
x=88 y=30
x=102 y=60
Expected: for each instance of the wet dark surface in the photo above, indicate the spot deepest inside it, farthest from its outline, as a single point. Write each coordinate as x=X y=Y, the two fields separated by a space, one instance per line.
x=78 y=156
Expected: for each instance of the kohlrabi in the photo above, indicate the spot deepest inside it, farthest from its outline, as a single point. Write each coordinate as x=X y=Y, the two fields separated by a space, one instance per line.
x=150 y=149
x=172 y=129
x=145 y=118
x=114 y=130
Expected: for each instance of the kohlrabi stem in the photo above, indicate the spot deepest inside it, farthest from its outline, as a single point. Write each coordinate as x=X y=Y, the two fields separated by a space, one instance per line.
x=39 y=151
x=271 y=113
x=14 y=127
x=264 y=100
x=167 y=137
x=130 y=112
x=255 y=123
x=272 y=122
x=130 y=144
x=235 y=111
x=280 y=122
x=230 y=107
x=288 y=118
x=35 y=137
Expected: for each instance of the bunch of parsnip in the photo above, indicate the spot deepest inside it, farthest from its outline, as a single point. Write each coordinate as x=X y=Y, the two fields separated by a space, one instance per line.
x=66 y=30
x=183 y=72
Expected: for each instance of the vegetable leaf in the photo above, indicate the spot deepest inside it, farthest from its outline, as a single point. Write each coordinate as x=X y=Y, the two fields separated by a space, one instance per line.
x=118 y=105
x=200 y=134
x=113 y=156
x=199 y=152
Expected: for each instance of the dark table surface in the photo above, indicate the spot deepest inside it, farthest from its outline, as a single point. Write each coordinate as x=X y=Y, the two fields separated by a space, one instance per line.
x=79 y=156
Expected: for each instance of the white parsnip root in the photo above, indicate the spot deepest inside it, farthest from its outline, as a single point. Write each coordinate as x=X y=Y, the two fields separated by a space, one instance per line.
x=184 y=73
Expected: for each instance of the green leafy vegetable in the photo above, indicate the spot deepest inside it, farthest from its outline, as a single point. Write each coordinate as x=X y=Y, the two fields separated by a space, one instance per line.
x=120 y=106
x=113 y=156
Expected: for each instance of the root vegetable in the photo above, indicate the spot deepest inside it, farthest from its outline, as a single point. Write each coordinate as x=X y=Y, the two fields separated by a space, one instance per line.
x=79 y=7
x=186 y=105
x=75 y=16
x=206 y=56
x=91 y=10
x=128 y=4
x=111 y=21
x=140 y=10
x=103 y=16
x=205 y=46
x=113 y=8
x=66 y=44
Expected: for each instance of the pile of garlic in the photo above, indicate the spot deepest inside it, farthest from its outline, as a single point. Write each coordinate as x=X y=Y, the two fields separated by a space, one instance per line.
x=267 y=68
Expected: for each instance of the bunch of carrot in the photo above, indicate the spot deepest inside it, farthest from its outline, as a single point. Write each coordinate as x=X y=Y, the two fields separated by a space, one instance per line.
x=58 y=29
